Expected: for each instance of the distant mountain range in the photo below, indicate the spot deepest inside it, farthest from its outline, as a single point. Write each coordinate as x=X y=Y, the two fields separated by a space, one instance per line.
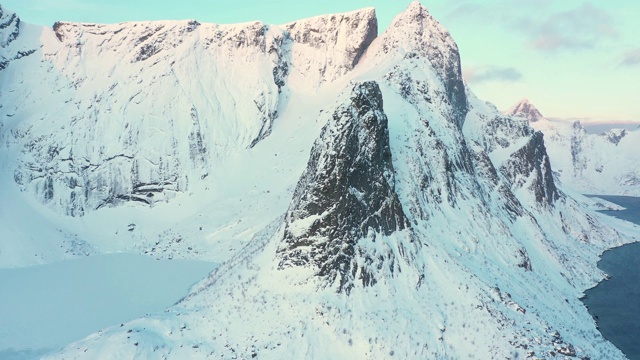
x=593 y=163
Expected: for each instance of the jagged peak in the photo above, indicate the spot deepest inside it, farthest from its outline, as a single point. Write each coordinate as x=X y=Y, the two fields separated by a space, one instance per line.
x=614 y=136
x=413 y=11
x=526 y=109
x=414 y=33
x=577 y=125
x=417 y=15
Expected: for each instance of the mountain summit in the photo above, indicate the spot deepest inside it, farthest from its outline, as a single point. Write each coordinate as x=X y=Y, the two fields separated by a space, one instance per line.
x=527 y=110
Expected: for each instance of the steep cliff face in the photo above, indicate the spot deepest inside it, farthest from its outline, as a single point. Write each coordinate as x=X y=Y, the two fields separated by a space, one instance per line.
x=529 y=166
x=593 y=163
x=346 y=195
x=125 y=119
x=327 y=47
x=520 y=154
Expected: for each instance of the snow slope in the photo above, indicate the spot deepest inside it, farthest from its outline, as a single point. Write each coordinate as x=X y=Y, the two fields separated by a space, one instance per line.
x=384 y=211
x=589 y=163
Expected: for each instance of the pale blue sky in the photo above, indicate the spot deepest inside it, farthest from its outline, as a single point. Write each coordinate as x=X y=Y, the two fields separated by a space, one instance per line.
x=571 y=58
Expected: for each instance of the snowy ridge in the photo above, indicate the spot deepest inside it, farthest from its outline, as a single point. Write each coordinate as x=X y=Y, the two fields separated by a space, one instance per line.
x=425 y=223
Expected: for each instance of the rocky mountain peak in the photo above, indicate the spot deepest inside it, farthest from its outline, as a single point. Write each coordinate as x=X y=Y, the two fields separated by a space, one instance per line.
x=525 y=109
x=414 y=33
x=345 y=194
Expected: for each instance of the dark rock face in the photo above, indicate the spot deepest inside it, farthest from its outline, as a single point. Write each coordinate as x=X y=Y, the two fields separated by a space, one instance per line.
x=528 y=166
x=346 y=192
x=9 y=27
x=532 y=160
x=488 y=175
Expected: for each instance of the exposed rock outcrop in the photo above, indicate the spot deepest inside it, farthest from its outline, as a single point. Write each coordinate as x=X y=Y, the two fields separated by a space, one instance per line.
x=345 y=194
x=529 y=166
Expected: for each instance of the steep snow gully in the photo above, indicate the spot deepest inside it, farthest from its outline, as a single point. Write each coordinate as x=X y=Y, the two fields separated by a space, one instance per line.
x=364 y=202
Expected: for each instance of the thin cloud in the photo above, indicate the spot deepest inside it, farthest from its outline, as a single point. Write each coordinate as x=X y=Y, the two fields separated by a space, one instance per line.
x=580 y=28
x=584 y=27
x=503 y=74
x=631 y=58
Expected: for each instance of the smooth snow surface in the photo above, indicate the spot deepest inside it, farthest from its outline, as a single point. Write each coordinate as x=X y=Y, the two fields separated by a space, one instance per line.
x=43 y=308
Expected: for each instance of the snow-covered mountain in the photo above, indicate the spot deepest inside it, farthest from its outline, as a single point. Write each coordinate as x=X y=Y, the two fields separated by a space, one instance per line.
x=590 y=163
x=525 y=109
x=365 y=202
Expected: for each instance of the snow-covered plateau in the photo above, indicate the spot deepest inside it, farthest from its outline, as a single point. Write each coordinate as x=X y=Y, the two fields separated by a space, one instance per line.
x=363 y=202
